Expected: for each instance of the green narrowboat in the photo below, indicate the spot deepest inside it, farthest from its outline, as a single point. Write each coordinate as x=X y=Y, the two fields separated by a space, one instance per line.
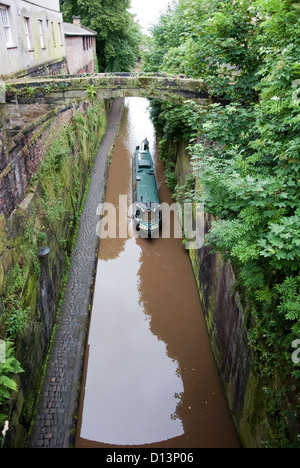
x=146 y=206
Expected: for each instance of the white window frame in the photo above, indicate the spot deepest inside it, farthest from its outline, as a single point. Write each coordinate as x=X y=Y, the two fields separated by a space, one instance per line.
x=28 y=33
x=41 y=32
x=4 y=14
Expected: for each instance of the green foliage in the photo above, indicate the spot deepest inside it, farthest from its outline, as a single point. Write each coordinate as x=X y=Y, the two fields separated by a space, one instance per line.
x=91 y=91
x=164 y=43
x=212 y=40
x=175 y=122
x=15 y=316
x=30 y=90
x=289 y=306
x=171 y=179
x=118 y=36
x=8 y=369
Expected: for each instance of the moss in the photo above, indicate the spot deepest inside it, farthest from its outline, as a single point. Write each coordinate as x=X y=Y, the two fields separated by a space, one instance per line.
x=253 y=426
x=194 y=257
x=31 y=293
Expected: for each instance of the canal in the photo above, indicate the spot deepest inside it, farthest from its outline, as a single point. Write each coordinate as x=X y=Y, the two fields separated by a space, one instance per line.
x=149 y=376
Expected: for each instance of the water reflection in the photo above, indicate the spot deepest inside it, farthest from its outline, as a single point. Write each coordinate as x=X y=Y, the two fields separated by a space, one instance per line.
x=139 y=125
x=132 y=386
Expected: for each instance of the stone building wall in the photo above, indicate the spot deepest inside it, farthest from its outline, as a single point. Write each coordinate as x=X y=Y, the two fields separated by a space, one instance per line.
x=80 y=60
x=33 y=37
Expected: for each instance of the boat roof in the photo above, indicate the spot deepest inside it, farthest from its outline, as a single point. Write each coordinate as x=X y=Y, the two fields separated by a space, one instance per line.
x=145 y=178
x=146 y=188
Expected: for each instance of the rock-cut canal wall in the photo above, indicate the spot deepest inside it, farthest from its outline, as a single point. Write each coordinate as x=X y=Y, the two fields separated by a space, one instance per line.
x=44 y=175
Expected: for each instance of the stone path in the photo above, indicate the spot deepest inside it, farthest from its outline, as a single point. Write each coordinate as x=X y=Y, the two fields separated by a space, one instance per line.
x=59 y=398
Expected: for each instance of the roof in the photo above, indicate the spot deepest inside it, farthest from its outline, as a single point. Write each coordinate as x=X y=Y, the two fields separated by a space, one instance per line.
x=73 y=30
x=146 y=188
x=145 y=178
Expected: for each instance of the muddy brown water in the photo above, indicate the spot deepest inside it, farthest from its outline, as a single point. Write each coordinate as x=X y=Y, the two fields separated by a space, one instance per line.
x=149 y=377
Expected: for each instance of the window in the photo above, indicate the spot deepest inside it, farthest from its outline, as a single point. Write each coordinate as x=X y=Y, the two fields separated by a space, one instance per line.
x=87 y=42
x=6 y=25
x=60 y=34
x=53 y=34
x=28 y=33
x=41 y=32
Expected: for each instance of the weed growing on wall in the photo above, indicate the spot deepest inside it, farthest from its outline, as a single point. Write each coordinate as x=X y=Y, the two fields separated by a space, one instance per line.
x=8 y=369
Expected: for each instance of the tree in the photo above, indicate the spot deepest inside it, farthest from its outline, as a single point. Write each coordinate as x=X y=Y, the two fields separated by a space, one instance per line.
x=118 y=36
x=165 y=36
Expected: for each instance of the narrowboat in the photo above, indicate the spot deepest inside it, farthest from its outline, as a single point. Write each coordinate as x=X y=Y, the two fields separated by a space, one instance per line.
x=146 y=206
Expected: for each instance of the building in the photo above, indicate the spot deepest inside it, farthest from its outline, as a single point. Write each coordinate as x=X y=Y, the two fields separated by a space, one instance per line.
x=81 y=47
x=32 y=40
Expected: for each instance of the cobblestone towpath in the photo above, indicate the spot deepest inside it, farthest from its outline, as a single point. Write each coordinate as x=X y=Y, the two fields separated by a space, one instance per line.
x=54 y=421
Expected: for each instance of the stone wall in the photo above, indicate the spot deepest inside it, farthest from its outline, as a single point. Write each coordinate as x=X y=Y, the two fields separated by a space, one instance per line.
x=111 y=86
x=55 y=160
x=54 y=67
x=79 y=60
x=23 y=124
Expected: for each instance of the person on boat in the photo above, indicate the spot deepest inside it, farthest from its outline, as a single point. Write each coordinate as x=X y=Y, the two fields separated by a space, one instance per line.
x=146 y=144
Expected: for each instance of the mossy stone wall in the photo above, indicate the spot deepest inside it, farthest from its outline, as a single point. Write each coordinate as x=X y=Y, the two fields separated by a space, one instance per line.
x=31 y=287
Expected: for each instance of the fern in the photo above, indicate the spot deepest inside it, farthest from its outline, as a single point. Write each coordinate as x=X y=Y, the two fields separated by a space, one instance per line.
x=251 y=276
x=7 y=383
x=8 y=370
x=289 y=306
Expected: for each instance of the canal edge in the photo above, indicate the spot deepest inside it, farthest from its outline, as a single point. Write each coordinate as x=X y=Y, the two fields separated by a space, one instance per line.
x=55 y=420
